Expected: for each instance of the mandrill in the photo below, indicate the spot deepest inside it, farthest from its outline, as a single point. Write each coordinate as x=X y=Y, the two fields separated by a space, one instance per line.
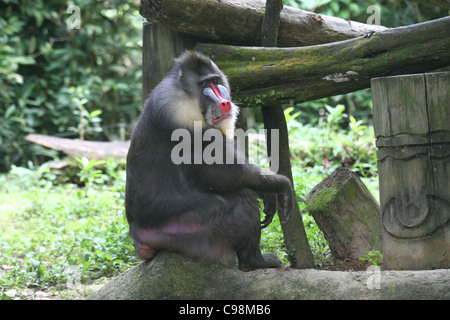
x=203 y=210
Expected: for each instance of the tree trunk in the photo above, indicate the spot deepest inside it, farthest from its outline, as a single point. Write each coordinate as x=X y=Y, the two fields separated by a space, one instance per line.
x=273 y=116
x=170 y=276
x=206 y=19
x=348 y=215
x=271 y=76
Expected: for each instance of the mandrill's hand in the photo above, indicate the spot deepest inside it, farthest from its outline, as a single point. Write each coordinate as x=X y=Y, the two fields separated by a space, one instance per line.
x=270 y=207
x=285 y=206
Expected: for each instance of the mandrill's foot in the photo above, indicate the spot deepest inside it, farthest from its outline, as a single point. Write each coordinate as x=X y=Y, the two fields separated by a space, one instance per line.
x=266 y=261
x=272 y=260
x=145 y=252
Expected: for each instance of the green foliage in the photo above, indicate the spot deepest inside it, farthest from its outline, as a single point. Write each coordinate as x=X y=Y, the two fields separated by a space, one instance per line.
x=394 y=13
x=375 y=258
x=316 y=239
x=52 y=235
x=58 y=81
x=89 y=174
x=318 y=148
x=328 y=144
x=272 y=240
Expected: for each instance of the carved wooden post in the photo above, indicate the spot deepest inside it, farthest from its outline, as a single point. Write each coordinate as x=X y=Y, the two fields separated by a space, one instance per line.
x=412 y=126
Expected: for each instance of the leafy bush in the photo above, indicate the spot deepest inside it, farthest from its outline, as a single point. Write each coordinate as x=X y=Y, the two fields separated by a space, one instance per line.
x=66 y=82
x=329 y=145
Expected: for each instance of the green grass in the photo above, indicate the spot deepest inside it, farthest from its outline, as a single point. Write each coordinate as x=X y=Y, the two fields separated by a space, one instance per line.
x=49 y=233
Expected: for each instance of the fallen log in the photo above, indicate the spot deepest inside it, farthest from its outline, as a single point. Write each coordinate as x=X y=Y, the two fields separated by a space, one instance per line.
x=98 y=150
x=170 y=276
x=270 y=76
x=243 y=20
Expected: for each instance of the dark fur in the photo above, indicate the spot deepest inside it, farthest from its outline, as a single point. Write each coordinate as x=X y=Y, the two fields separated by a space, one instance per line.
x=205 y=211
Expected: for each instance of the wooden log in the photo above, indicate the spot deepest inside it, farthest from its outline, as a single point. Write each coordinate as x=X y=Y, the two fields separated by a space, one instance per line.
x=348 y=215
x=411 y=122
x=98 y=150
x=206 y=19
x=271 y=76
x=171 y=277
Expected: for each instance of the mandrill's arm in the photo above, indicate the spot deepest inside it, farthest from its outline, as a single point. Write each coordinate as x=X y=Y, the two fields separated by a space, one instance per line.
x=273 y=182
x=226 y=178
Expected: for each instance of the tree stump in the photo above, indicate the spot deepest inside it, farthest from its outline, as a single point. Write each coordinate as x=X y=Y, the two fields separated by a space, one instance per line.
x=347 y=213
x=412 y=127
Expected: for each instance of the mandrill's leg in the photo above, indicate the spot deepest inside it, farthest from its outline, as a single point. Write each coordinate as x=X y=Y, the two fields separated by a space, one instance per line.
x=250 y=256
x=248 y=234
x=196 y=241
x=212 y=233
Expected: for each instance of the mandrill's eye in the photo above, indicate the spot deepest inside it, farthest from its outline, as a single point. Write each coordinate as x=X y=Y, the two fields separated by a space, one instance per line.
x=211 y=80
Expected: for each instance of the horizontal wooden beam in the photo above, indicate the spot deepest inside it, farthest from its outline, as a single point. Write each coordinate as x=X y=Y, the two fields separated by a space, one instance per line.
x=264 y=76
x=239 y=22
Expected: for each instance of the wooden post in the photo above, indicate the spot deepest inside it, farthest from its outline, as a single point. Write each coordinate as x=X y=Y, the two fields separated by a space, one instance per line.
x=412 y=126
x=160 y=46
x=273 y=116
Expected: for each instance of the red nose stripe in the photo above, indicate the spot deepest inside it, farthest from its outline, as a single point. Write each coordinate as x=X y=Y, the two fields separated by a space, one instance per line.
x=224 y=104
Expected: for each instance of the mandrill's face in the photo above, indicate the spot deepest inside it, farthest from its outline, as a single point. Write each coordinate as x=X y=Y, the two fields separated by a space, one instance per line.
x=209 y=94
